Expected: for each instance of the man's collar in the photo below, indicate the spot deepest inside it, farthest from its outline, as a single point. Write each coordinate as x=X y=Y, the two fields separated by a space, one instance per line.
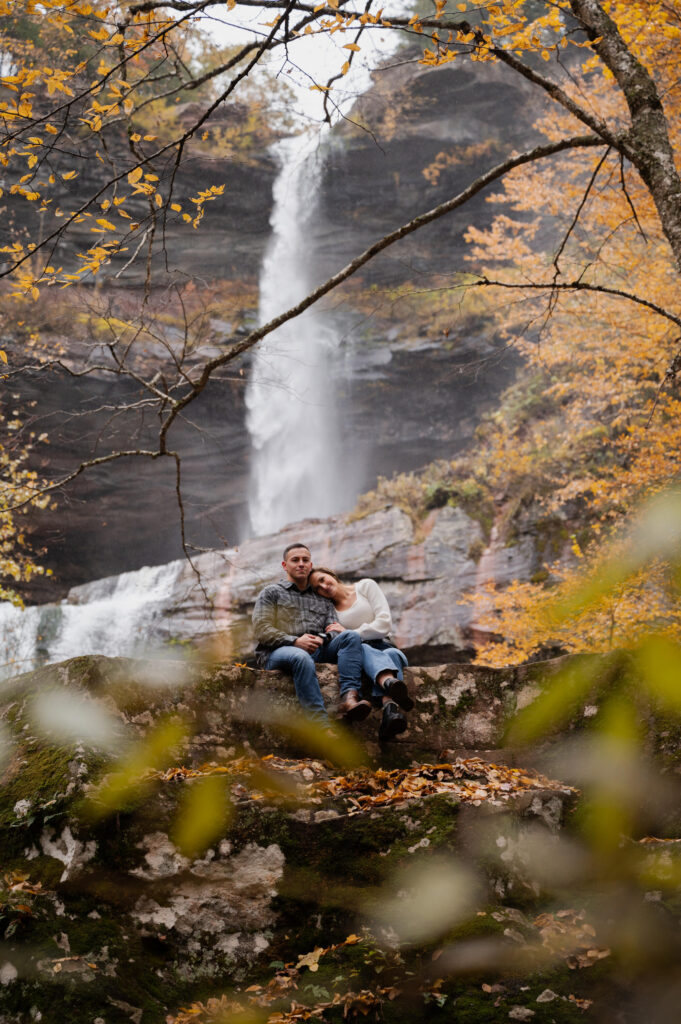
x=289 y=583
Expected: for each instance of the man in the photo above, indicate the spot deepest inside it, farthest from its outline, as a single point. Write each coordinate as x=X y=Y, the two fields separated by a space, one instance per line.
x=295 y=628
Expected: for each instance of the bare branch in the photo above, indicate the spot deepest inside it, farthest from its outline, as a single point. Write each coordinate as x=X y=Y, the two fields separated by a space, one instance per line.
x=101 y=460
x=581 y=206
x=576 y=286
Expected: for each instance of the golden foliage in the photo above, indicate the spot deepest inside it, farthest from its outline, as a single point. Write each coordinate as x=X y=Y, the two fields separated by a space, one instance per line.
x=600 y=430
x=19 y=485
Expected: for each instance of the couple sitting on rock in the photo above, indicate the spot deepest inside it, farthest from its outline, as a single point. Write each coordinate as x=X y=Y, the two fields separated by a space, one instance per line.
x=312 y=617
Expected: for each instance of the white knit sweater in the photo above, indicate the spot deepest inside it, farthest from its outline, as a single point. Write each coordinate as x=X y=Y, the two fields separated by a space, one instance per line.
x=369 y=615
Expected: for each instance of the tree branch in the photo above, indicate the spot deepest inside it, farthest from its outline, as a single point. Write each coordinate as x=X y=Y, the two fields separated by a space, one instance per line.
x=577 y=286
x=529 y=156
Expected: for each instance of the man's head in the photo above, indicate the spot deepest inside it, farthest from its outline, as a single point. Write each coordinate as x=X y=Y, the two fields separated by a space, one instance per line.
x=297 y=564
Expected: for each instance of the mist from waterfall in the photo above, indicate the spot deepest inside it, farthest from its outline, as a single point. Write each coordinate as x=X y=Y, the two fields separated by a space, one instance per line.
x=291 y=408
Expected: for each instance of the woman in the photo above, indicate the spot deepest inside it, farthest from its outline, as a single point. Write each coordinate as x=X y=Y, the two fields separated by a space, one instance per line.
x=362 y=607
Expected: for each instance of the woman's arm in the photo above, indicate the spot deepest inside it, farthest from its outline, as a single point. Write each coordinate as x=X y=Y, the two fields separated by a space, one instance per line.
x=381 y=624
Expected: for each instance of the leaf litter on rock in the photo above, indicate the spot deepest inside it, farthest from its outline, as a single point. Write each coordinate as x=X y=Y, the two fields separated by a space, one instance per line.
x=283 y=984
x=470 y=780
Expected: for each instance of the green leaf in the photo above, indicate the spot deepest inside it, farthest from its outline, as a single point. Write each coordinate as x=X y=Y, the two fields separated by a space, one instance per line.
x=659 y=661
x=564 y=693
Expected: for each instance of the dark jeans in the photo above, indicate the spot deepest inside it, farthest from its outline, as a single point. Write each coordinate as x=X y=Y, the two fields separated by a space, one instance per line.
x=345 y=649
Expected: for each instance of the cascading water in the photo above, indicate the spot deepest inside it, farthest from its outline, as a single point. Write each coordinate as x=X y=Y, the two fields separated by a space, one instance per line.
x=119 y=616
x=290 y=399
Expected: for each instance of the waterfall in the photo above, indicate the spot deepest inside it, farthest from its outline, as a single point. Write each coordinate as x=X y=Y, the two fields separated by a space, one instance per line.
x=120 y=616
x=291 y=410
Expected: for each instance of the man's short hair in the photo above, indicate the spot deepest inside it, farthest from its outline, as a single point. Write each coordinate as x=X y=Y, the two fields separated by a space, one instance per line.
x=290 y=547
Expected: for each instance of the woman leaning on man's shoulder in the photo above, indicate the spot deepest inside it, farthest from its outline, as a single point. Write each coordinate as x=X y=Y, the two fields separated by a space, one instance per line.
x=363 y=607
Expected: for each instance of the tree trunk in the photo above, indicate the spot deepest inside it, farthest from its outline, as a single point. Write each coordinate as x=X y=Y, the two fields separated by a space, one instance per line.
x=647 y=142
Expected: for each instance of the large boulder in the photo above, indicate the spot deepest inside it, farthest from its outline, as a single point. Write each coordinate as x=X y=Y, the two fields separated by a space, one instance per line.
x=410 y=887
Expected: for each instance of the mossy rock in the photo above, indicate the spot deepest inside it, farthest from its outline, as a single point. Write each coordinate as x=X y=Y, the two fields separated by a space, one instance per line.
x=120 y=922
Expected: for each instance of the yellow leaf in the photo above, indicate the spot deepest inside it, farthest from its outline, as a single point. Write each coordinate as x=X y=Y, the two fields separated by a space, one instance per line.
x=158 y=199
x=69 y=175
x=345 y=68
x=176 y=207
x=3 y=355
x=135 y=137
x=311 y=960
x=352 y=46
x=130 y=781
x=203 y=816
x=135 y=175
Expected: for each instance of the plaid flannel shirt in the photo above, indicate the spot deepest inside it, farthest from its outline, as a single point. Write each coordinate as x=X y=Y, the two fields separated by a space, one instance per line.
x=282 y=613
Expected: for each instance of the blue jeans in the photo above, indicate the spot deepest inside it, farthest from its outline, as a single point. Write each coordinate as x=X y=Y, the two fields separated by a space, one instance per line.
x=381 y=658
x=345 y=649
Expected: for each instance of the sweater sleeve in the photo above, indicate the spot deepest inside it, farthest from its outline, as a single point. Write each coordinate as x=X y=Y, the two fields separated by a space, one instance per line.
x=381 y=623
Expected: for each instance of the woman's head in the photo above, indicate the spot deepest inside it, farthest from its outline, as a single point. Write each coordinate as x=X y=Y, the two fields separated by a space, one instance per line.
x=324 y=582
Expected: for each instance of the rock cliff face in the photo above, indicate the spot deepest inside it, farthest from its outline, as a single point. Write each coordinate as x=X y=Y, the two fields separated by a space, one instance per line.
x=409 y=392
x=426 y=573
x=416 y=138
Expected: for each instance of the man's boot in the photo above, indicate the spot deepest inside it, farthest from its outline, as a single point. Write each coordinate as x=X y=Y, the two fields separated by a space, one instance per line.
x=353 y=709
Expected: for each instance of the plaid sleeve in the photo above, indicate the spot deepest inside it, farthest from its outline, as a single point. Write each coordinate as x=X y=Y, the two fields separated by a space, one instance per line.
x=265 y=620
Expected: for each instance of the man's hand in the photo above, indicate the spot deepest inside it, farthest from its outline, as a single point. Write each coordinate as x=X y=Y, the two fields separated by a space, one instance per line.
x=335 y=627
x=308 y=642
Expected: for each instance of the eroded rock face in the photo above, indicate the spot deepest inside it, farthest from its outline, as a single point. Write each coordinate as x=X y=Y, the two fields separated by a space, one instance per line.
x=467 y=116
x=219 y=906
x=427 y=574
